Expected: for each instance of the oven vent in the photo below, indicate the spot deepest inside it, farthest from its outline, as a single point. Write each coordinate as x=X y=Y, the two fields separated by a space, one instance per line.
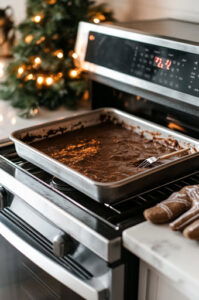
x=40 y=242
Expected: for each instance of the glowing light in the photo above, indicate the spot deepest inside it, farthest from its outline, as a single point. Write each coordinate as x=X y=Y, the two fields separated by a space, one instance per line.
x=60 y=74
x=91 y=37
x=28 y=39
x=49 y=81
x=40 y=40
x=74 y=55
x=37 y=18
x=20 y=70
x=59 y=53
x=37 y=60
x=96 y=20
x=175 y=126
x=74 y=73
x=29 y=77
x=40 y=80
x=51 y=2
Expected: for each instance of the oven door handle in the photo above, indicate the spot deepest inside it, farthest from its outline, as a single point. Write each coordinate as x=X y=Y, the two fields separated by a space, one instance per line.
x=92 y=289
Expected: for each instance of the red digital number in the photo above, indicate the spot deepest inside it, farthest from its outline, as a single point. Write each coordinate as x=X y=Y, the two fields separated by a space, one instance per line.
x=168 y=64
x=162 y=63
x=159 y=62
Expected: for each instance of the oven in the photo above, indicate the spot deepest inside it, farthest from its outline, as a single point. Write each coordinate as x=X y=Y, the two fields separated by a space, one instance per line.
x=57 y=242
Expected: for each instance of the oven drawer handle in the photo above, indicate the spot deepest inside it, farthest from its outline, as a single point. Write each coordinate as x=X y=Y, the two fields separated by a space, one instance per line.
x=92 y=289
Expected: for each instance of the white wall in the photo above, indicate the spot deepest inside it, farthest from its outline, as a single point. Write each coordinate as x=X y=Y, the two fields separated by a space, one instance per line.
x=123 y=9
x=18 y=6
x=180 y=9
x=129 y=9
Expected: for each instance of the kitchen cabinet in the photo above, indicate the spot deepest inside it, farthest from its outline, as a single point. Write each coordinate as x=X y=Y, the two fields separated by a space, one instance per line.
x=155 y=286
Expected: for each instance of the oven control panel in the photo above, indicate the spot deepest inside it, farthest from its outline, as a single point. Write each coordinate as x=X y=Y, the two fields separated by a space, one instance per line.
x=160 y=65
x=167 y=67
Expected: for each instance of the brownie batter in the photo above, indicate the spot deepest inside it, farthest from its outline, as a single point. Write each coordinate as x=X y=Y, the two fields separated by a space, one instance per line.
x=105 y=152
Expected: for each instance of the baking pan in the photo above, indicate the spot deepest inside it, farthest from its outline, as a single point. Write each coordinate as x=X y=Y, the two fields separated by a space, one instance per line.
x=112 y=191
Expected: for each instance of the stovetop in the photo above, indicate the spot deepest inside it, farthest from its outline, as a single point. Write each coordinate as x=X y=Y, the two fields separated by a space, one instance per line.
x=111 y=219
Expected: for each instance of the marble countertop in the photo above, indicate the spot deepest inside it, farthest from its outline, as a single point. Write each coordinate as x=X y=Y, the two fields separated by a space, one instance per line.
x=10 y=121
x=168 y=252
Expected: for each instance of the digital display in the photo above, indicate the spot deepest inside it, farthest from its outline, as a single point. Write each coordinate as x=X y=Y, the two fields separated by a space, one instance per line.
x=175 y=69
x=162 y=63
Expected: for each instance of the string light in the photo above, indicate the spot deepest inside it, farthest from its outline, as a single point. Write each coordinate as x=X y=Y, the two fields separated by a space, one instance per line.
x=59 y=53
x=29 y=77
x=99 y=18
x=74 y=73
x=37 y=18
x=74 y=55
x=28 y=39
x=96 y=20
x=40 y=40
x=40 y=80
x=49 y=81
x=37 y=60
x=20 y=71
x=51 y=2
x=58 y=76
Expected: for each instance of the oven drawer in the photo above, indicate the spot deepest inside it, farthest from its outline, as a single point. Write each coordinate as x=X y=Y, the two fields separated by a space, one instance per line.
x=95 y=285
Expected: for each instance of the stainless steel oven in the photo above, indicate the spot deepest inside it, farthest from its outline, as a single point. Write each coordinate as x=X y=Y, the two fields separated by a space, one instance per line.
x=57 y=242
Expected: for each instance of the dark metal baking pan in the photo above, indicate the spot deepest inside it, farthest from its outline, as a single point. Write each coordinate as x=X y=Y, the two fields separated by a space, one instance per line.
x=111 y=191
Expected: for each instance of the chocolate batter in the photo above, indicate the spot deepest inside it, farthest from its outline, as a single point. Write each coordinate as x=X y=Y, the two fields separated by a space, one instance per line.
x=105 y=152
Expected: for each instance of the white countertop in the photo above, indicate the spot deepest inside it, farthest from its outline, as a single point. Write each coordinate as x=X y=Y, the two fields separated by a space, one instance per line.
x=168 y=252
x=10 y=121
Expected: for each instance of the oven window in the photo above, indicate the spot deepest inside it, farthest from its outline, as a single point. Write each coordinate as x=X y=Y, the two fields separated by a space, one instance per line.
x=20 y=279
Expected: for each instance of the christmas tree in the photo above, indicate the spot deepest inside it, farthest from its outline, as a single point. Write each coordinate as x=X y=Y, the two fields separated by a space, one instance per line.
x=44 y=72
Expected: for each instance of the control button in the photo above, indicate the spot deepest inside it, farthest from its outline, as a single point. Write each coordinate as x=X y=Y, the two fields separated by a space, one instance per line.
x=62 y=245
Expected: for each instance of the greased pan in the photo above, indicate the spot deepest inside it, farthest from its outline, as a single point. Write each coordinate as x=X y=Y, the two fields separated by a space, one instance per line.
x=112 y=191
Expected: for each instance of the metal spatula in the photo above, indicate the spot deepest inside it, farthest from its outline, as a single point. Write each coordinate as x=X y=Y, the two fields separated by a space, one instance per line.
x=151 y=160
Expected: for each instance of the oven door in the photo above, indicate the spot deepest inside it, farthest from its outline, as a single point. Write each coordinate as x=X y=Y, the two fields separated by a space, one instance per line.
x=30 y=271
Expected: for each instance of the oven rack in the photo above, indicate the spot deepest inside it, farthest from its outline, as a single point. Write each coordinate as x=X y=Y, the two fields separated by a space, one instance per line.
x=126 y=212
